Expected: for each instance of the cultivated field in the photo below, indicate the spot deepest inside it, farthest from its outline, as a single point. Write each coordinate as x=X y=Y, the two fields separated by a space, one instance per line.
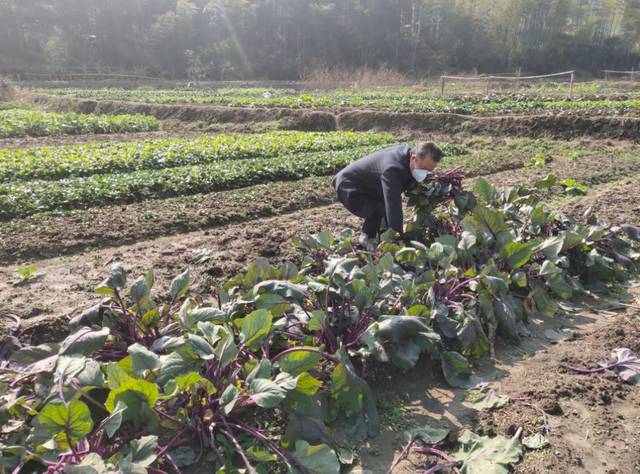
x=240 y=326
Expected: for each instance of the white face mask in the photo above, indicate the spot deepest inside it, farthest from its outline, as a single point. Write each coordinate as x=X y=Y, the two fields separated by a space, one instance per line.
x=419 y=175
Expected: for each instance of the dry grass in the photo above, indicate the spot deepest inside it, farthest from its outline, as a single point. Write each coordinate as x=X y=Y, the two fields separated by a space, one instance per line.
x=324 y=77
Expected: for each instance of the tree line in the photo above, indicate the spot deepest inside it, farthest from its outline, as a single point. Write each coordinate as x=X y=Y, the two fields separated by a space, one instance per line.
x=284 y=39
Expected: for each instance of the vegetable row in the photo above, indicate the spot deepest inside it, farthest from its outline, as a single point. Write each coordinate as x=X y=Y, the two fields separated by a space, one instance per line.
x=90 y=159
x=403 y=101
x=15 y=123
x=24 y=198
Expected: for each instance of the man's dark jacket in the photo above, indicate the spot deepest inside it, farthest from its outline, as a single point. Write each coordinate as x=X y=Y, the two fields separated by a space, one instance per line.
x=382 y=176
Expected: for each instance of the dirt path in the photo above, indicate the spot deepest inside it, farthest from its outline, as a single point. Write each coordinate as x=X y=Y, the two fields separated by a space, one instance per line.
x=67 y=286
x=595 y=419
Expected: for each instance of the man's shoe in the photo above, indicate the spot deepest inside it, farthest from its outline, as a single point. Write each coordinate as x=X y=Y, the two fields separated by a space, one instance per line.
x=369 y=244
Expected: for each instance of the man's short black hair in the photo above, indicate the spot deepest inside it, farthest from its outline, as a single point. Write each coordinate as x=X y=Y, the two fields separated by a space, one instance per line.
x=429 y=148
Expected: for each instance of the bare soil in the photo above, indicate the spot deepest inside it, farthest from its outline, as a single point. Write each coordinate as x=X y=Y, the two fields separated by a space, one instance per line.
x=619 y=203
x=68 y=284
x=45 y=236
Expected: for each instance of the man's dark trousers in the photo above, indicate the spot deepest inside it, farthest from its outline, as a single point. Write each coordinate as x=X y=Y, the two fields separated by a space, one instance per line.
x=371 y=210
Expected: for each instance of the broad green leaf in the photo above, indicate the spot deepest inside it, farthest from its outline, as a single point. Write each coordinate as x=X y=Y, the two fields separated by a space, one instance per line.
x=229 y=398
x=112 y=422
x=427 y=434
x=483 y=189
x=167 y=343
x=74 y=419
x=139 y=396
x=199 y=346
x=544 y=304
x=519 y=279
x=490 y=219
x=546 y=183
x=436 y=252
x=140 y=293
x=151 y=318
x=286 y=381
x=354 y=395
x=266 y=394
x=185 y=381
x=535 y=441
x=68 y=367
x=35 y=359
x=175 y=364
x=506 y=317
x=307 y=384
x=198 y=315
x=516 y=254
x=255 y=328
x=184 y=456
x=549 y=268
x=285 y=289
x=467 y=241
x=117 y=278
x=473 y=339
x=551 y=248
x=401 y=339
x=226 y=351
x=273 y=303
x=143 y=450
x=263 y=370
x=559 y=286
x=84 y=341
x=488 y=399
x=456 y=369
x=179 y=286
x=212 y=332
x=91 y=464
x=116 y=376
x=318 y=459
x=318 y=318
x=91 y=375
x=465 y=201
x=484 y=455
x=258 y=454
x=142 y=359
x=299 y=361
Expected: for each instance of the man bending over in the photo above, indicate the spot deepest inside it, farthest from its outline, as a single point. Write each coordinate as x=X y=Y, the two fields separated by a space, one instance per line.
x=372 y=187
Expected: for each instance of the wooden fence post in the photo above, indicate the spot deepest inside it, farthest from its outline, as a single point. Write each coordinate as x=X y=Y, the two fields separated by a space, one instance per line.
x=518 y=73
x=573 y=76
x=441 y=86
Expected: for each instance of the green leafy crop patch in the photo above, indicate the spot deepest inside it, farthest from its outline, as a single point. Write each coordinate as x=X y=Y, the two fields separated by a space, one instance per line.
x=85 y=160
x=15 y=123
x=394 y=101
